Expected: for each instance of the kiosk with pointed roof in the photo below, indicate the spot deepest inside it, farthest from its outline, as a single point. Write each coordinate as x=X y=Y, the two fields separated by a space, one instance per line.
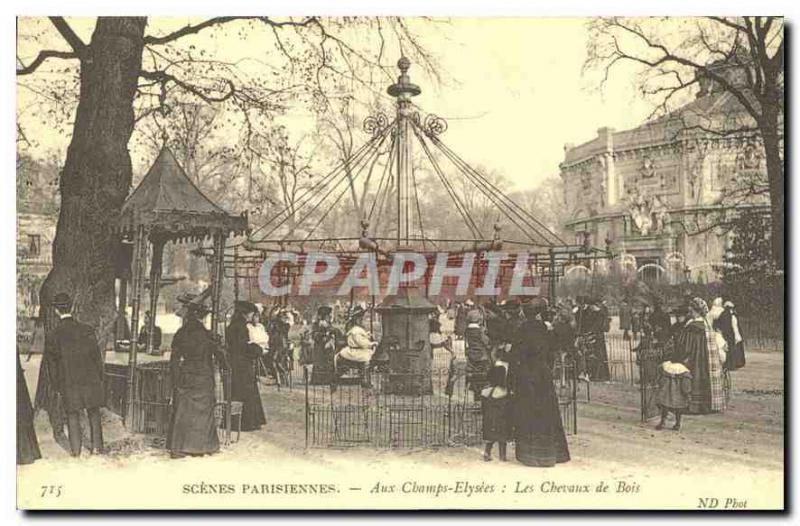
x=165 y=207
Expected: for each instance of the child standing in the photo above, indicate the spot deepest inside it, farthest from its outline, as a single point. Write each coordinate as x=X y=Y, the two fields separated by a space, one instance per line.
x=495 y=407
x=674 y=388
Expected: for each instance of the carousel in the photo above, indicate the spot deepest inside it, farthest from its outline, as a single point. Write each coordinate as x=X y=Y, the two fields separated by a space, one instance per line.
x=166 y=207
x=401 y=397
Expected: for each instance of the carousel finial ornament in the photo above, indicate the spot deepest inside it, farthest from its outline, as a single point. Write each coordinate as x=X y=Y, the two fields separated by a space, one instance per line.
x=403 y=89
x=403 y=64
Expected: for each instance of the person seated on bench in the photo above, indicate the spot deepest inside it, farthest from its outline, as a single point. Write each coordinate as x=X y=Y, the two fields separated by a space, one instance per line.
x=360 y=346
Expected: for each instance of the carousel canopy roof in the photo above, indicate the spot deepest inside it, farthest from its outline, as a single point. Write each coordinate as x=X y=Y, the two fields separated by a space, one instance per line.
x=389 y=210
x=169 y=202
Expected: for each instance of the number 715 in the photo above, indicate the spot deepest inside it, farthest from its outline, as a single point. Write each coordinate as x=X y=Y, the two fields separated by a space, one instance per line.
x=51 y=491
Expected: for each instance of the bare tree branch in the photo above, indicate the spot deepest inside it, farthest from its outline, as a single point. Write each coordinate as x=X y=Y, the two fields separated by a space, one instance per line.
x=69 y=35
x=41 y=57
x=216 y=21
x=204 y=94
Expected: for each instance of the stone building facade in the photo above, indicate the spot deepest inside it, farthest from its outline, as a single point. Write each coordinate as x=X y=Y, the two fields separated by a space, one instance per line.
x=654 y=193
x=35 y=232
x=37 y=214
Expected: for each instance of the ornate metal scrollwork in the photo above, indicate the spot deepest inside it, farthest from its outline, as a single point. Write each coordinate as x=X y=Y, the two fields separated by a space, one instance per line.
x=434 y=125
x=375 y=124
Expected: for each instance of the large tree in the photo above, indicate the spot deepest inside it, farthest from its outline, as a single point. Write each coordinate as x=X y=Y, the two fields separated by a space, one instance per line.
x=672 y=56
x=125 y=75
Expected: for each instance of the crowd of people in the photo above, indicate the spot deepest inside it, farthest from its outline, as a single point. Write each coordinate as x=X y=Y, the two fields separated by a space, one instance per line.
x=511 y=349
x=578 y=328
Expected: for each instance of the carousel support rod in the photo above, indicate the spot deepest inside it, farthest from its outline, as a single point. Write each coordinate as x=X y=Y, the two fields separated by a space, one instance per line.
x=216 y=283
x=286 y=281
x=372 y=315
x=138 y=271
x=551 y=282
x=155 y=286
x=236 y=273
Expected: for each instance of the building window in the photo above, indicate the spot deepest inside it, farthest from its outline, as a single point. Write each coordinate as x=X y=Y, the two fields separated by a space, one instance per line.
x=34 y=245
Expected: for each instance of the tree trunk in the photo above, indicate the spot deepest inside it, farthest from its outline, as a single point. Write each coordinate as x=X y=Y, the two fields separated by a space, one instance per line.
x=97 y=173
x=772 y=149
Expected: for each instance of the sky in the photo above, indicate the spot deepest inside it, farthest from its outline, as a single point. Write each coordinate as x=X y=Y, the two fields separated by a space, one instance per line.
x=521 y=95
x=513 y=93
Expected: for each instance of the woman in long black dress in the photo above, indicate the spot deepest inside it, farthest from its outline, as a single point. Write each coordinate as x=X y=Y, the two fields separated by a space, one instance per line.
x=539 y=433
x=728 y=324
x=27 y=445
x=192 y=429
x=243 y=356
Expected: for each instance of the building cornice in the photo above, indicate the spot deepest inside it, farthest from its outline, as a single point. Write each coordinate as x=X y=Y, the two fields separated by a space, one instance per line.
x=682 y=210
x=666 y=147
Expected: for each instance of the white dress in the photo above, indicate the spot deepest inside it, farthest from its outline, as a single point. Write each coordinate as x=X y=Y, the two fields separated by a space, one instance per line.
x=258 y=335
x=360 y=347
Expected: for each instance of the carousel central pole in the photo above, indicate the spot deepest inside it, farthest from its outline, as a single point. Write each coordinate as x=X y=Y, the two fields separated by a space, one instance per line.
x=403 y=90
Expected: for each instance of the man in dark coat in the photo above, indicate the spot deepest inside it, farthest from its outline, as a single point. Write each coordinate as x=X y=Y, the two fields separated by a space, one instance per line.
x=538 y=430
x=78 y=369
x=242 y=355
x=47 y=396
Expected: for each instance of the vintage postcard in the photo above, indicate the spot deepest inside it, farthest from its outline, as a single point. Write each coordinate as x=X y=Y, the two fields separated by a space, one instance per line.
x=400 y=263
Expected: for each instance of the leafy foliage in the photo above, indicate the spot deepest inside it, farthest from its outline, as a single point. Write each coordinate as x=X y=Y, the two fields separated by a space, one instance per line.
x=749 y=275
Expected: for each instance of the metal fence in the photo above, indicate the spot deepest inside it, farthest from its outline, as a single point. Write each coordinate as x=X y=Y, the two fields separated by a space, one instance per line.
x=364 y=411
x=622 y=358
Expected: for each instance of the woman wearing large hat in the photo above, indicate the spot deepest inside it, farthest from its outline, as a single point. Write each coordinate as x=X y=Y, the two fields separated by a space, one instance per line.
x=538 y=430
x=243 y=353
x=192 y=429
x=697 y=348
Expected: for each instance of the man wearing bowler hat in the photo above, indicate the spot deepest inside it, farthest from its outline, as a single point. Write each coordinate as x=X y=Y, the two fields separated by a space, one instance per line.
x=78 y=372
